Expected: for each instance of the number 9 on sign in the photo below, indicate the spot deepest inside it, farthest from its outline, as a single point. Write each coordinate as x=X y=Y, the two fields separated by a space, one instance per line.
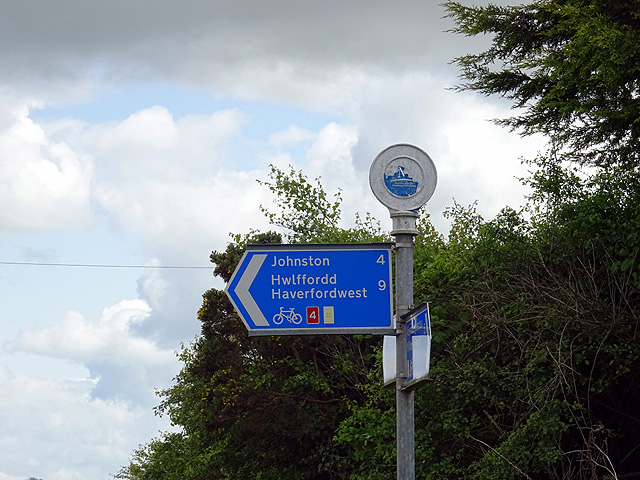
x=382 y=285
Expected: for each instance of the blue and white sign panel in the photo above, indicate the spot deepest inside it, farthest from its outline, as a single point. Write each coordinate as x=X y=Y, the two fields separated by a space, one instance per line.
x=418 y=344
x=311 y=289
x=418 y=347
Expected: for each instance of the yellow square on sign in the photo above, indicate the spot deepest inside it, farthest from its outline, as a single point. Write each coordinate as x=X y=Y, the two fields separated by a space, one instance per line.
x=327 y=314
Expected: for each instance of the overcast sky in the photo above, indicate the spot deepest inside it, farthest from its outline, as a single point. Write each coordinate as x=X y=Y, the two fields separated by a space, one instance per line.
x=132 y=133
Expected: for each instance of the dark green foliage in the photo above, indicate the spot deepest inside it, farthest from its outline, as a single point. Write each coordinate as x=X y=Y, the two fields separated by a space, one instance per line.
x=536 y=350
x=535 y=359
x=572 y=66
x=536 y=366
x=263 y=407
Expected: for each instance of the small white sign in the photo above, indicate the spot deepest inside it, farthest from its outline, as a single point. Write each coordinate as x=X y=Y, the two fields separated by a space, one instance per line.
x=418 y=349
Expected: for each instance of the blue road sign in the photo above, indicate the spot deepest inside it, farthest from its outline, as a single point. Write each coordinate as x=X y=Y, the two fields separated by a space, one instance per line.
x=311 y=289
x=418 y=344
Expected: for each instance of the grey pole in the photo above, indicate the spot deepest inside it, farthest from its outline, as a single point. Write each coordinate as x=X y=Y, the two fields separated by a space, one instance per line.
x=404 y=229
x=403 y=177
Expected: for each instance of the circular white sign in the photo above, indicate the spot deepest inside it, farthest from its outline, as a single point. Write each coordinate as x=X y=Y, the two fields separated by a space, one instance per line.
x=403 y=177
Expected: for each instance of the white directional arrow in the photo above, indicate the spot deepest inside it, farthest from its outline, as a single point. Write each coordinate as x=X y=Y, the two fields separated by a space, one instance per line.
x=242 y=290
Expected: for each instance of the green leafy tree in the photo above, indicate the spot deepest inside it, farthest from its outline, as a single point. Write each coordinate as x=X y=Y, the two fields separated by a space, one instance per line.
x=536 y=355
x=263 y=407
x=570 y=67
x=535 y=314
x=535 y=358
x=305 y=212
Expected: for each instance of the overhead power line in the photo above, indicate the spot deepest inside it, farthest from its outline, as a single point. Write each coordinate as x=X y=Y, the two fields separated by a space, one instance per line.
x=99 y=265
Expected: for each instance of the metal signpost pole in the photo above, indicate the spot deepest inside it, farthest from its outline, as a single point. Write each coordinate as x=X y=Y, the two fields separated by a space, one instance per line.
x=404 y=229
x=312 y=289
x=403 y=177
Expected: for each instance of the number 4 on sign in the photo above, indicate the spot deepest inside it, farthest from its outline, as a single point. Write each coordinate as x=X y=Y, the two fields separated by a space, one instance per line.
x=380 y=260
x=313 y=314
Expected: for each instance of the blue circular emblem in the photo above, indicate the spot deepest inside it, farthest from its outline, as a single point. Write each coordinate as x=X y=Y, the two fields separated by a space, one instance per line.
x=399 y=177
x=403 y=177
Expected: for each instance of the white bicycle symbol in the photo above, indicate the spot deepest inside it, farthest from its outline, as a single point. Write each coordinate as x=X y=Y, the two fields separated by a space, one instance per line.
x=289 y=315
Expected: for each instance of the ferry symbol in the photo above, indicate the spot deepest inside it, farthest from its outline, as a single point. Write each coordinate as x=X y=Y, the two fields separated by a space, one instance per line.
x=400 y=183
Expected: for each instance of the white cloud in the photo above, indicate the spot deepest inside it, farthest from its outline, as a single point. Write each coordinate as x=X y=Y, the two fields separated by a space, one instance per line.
x=69 y=434
x=171 y=181
x=291 y=135
x=331 y=151
x=43 y=184
x=475 y=159
x=482 y=161
x=119 y=350
x=152 y=287
x=9 y=477
x=185 y=220
x=330 y=157
x=108 y=339
x=151 y=129
x=150 y=144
